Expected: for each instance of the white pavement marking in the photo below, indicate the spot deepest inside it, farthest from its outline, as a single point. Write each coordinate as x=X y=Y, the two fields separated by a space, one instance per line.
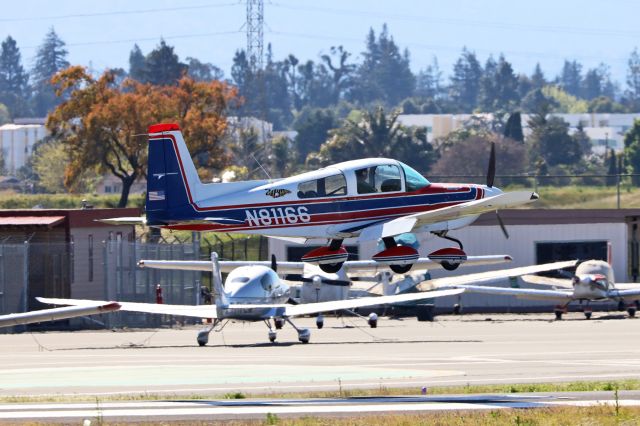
x=204 y=408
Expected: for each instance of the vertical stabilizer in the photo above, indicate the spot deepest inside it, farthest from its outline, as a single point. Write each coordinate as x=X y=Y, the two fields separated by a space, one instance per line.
x=172 y=180
x=220 y=296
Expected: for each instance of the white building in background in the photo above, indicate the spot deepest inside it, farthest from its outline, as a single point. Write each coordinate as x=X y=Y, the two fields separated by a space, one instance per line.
x=16 y=143
x=604 y=130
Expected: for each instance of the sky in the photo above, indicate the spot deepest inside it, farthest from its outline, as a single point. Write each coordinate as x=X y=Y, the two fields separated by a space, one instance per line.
x=100 y=34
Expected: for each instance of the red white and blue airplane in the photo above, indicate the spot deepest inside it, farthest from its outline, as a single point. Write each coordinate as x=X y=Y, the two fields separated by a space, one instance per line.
x=371 y=199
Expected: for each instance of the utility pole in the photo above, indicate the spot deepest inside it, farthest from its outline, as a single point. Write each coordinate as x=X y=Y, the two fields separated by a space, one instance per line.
x=255 y=35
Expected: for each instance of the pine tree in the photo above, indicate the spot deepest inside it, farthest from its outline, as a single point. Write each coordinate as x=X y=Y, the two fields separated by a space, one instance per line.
x=136 y=63
x=613 y=168
x=538 y=81
x=571 y=78
x=429 y=81
x=513 y=127
x=50 y=59
x=13 y=79
x=465 y=82
x=633 y=80
x=162 y=66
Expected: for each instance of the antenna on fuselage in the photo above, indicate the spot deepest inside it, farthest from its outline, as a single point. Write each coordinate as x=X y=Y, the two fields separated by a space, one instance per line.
x=260 y=165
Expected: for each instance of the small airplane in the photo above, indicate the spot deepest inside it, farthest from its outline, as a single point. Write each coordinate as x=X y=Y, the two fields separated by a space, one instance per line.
x=371 y=199
x=593 y=281
x=420 y=282
x=252 y=293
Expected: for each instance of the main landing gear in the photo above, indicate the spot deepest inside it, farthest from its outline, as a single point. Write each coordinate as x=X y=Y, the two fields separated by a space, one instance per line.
x=399 y=258
x=203 y=335
x=330 y=259
x=559 y=310
x=304 y=335
x=450 y=258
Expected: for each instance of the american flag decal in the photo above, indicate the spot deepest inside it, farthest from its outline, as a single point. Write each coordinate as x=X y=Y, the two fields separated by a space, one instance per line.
x=156 y=195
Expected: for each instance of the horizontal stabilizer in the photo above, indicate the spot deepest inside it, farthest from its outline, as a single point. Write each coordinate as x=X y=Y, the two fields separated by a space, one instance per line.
x=116 y=221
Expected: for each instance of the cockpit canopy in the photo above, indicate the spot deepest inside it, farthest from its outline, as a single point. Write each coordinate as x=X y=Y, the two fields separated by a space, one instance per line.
x=363 y=177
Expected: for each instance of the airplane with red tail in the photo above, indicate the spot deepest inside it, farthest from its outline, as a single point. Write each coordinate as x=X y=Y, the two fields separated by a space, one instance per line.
x=371 y=199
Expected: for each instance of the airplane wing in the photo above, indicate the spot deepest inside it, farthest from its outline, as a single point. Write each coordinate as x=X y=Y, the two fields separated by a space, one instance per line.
x=521 y=293
x=631 y=294
x=195 y=311
x=411 y=222
x=491 y=275
x=548 y=281
x=352 y=266
x=627 y=286
x=96 y=307
x=336 y=305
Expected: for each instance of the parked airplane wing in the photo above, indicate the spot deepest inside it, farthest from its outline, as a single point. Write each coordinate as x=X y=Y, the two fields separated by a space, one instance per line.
x=195 y=311
x=336 y=305
x=521 y=293
x=629 y=294
x=412 y=222
x=492 y=275
x=627 y=286
x=352 y=266
x=58 y=313
x=548 y=281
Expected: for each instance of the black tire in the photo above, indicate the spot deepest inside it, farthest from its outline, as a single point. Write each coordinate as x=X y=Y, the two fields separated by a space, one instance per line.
x=320 y=324
x=457 y=309
x=621 y=306
x=587 y=315
x=278 y=324
x=401 y=269
x=330 y=268
x=631 y=312
x=373 y=324
x=558 y=315
x=450 y=266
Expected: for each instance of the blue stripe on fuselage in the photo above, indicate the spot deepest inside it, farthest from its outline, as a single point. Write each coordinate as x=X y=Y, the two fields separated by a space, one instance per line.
x=375 y=206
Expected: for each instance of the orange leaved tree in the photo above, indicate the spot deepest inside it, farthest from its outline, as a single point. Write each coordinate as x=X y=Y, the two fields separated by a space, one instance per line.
x=104 y=122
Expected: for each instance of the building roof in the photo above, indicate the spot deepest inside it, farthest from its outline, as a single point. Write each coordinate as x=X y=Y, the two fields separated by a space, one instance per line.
x=48 y=221
x=559 y=216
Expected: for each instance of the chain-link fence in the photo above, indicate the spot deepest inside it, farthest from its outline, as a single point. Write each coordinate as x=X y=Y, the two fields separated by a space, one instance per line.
x=109 y=272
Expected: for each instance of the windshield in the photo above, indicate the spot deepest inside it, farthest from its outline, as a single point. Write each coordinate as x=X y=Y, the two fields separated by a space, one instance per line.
x=413 y=179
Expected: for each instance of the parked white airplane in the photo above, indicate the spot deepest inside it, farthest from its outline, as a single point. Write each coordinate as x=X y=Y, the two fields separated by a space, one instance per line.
x=419 y=281
x=251 y=293
x=593 y=281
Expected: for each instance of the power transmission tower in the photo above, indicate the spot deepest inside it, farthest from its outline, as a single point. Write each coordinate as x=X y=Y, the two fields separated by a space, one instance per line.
x=255 y=36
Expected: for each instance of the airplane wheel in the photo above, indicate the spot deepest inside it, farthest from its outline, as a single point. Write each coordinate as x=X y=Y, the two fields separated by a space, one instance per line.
x=373 y=320
x=450 y=266
x=203 y=337
x=457 y=309
x=330 y=268
x=272 y=337
x=320 y=324
x=621 y=305
x=631 y=312
x=558 y=315
x=279 y=323
x=401 y=269
x=304 y=335
x=587 y=315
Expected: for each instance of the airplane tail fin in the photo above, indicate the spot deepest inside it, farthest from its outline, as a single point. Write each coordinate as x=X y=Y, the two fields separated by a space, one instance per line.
x=172 y=179
x=220 y=296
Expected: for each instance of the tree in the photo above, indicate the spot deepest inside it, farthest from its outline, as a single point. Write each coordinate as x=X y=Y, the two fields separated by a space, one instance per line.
x=499 y=89
x=604 y=104
x=550 y=141
x=313 y=126
x=612 y=170
x=14 y=89
x=570 y=80
x=49 y=162
x=103 y=125
x=538 y=80
x=376 y=134
x=513 y=128
x=162 y=66
x=469 y=155
x=203 y=71
x=633 y=80
x=429 y=81
x=632 y=151
x=384 y=74
x=565 y=102
x=465 y=82
x=341 y=71
x=51 y=58
x=283 y=157
x=137 y=65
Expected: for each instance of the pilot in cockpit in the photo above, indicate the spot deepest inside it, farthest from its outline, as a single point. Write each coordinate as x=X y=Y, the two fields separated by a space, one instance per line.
x=364 y=187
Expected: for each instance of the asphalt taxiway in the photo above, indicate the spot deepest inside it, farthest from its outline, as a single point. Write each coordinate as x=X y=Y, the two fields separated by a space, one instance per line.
x=345 y=354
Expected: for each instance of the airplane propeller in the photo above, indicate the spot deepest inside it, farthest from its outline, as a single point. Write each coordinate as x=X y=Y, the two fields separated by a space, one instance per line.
x=491 y=176
x=491 y=170
x=328 y=281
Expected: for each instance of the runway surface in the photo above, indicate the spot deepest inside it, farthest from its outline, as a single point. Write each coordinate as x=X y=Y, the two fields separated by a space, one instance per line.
x=166 y=411
x=451 y=351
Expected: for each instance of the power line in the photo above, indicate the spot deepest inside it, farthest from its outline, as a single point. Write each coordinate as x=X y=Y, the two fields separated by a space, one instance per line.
x=116 y=13
x=462 y=22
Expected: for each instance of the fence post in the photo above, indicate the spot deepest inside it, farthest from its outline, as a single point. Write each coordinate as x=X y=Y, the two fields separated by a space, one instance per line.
x=618 y=188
